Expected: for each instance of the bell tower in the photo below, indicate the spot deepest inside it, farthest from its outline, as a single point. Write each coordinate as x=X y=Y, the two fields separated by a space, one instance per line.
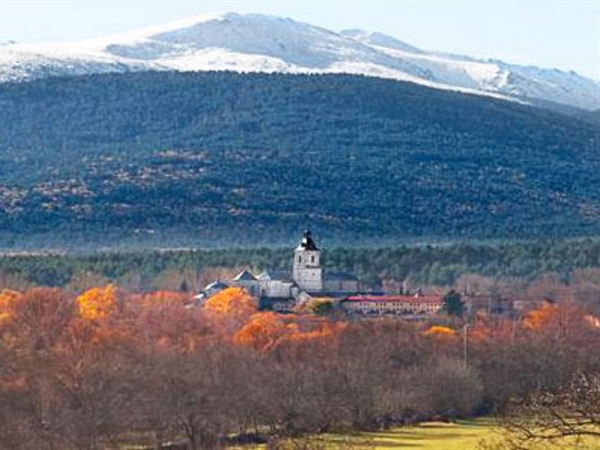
x=307 y=272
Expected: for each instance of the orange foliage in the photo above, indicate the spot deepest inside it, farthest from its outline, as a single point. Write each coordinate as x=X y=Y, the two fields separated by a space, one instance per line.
x=97 y=303
x=539 y=318
x=8 y=299
x=561 y=318
x=231 y=301
x=440 y=331
x=318 y=331
x=261 y=331
x=266 y=330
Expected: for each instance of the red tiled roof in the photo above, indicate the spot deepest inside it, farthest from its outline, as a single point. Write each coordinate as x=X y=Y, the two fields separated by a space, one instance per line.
x=394 y=298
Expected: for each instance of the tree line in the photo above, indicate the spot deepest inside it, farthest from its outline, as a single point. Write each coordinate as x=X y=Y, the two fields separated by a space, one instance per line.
x=421 y=265
x=109 y=368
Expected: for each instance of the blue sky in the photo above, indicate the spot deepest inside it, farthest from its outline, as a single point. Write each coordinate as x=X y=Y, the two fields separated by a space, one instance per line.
x=561 y=34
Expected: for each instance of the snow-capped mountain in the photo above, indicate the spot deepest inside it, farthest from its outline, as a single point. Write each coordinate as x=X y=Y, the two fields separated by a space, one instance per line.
x=259 y=43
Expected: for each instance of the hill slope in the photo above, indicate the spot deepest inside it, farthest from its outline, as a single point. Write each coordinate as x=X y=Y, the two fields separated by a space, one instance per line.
x=221 y=157
x=260 y=43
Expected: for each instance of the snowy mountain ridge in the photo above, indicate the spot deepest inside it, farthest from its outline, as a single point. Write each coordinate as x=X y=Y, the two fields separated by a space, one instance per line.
x=260 y=43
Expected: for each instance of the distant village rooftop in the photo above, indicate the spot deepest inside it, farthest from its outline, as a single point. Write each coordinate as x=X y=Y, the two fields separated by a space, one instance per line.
x=284 y=291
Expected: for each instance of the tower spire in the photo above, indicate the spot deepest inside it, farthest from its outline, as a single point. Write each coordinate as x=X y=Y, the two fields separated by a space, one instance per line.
x=307 y=242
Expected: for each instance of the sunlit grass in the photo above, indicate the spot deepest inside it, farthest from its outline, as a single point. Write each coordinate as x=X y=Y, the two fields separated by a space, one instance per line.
x=475 y=434
x=464 y=435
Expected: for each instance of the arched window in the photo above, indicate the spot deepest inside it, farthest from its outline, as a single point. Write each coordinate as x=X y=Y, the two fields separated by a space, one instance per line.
x=312 y=259
x=299 y=259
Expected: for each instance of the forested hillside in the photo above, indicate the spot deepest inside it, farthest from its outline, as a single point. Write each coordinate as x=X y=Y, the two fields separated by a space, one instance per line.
x=214 y=159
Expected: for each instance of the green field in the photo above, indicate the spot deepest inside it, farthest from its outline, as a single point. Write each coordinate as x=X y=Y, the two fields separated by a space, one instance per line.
x=478 y=434
x=435 y=435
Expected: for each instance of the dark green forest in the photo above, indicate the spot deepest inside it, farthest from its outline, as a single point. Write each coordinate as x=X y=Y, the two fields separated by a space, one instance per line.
x=224 y=159
x=425 y=265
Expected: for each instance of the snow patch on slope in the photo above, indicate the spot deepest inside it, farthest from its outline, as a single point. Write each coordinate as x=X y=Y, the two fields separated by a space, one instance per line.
x=525 y=82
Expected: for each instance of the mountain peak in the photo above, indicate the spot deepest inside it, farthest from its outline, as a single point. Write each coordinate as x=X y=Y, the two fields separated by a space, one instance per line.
x=380 y=39
x=262 y=43
x=224 y=18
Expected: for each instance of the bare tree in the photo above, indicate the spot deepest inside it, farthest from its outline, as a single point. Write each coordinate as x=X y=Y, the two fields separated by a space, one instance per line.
x=548 y=417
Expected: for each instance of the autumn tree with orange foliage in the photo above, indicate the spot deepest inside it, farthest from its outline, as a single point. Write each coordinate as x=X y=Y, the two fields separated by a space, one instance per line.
x=8 y=301
x=440 y=331
x=563 y=317
x=266 y=330
x=262 y=331
x=231 y=302
x=97 y=303
x=228 y=310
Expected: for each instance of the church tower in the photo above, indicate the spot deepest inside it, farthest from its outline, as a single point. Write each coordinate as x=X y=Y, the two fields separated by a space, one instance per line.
x=307 y=272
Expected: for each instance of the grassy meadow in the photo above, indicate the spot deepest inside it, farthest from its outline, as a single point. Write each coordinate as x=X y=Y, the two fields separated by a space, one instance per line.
x=475 y=434
x=464 y=435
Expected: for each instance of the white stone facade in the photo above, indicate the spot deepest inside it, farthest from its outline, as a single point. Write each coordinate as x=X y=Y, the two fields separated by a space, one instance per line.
x=307 y=272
